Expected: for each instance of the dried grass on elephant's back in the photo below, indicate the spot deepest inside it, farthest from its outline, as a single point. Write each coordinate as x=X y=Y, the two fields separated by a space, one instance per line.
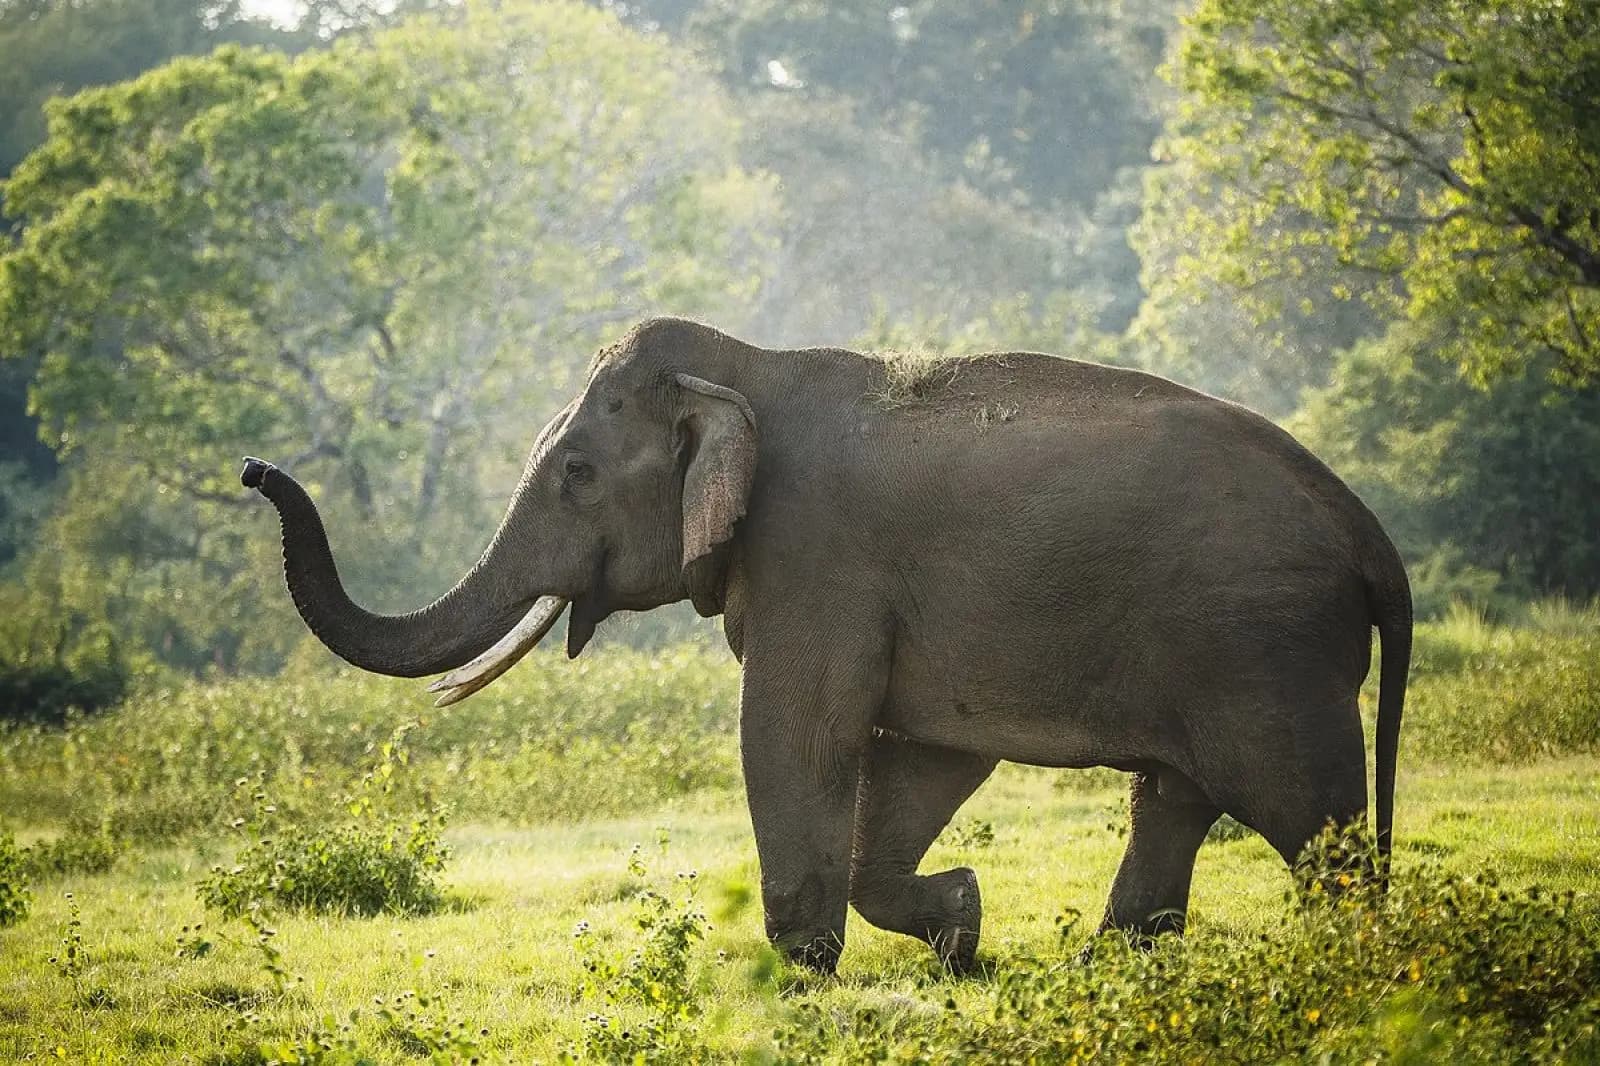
x=915 y=375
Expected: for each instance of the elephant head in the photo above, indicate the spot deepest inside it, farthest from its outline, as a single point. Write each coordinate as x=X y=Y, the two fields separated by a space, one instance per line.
x=625 y=500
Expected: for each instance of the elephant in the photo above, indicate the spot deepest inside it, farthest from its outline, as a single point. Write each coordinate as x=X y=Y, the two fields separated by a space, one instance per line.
x=924 y=572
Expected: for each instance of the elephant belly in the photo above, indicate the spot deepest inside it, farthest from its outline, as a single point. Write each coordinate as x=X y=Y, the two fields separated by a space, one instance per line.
x=1064 y=680
x=1021 y=703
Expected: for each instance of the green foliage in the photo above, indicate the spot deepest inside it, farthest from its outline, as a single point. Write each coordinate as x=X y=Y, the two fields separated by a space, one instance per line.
x=378 y=861
x=75 y=852
x=655 y=977
x=295 y=257
x=1446 y=969
x=410 y=1020
x=15 y=899
x=415 y=1023
x=356 y=869
x=973 y=833
x=615 y=731
x=1442 y=161
x=47 y=691
x=1501 y=693
x=621 y=731
x=71 y=960
x=1472 y=481
x=327 y=1044
x=52 y=48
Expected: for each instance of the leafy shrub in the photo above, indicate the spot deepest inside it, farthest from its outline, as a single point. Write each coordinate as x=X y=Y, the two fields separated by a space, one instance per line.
x=656 y=977
x=358 y=868
x=1225 y=829
x=1444 y=969
x=414 y=1022
x=619 y=731
x=970 y=833
x=1503 y=693
x=15 y=898
x=46 y=691
x=76 y=852
x=1442 y=582
x=378 y=861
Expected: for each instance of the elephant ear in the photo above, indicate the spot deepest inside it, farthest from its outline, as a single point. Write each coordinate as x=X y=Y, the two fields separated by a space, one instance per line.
x=721 y=433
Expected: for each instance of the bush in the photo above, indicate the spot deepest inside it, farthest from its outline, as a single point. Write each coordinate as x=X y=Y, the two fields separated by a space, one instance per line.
x=1445 y=970
x=1503 y=693
x=655 y=977
x=377 y=861
x=47 y=691
x=360 y=868
x=14 y=895
x=76 y=852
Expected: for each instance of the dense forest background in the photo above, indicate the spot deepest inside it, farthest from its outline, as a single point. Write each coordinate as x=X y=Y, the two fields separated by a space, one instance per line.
x=379 y=243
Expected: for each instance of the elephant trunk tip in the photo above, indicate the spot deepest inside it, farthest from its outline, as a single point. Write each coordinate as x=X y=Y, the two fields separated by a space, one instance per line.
x=255 y=472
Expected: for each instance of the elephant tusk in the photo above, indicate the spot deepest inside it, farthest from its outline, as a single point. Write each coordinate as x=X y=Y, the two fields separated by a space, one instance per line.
x=463 y=681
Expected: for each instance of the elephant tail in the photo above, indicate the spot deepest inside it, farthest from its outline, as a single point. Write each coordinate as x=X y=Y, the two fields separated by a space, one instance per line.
x=1390 y=599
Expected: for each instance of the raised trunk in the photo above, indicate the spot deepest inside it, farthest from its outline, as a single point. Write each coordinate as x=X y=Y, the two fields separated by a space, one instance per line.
x=461 y=624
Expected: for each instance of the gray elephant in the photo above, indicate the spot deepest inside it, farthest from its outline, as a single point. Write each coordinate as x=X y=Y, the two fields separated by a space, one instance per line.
x=1013 y=556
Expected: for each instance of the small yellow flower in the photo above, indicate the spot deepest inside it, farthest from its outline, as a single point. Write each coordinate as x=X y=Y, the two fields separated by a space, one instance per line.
x=1175 y=1020
x=1415 y=970
x=1313 y=1015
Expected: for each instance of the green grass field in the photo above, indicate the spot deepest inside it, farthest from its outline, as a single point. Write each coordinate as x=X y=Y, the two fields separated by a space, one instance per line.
x=566 y=935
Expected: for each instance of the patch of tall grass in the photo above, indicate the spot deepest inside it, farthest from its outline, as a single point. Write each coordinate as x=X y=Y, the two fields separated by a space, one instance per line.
x=618 y=730
x=621 y=730
x=1503 y=692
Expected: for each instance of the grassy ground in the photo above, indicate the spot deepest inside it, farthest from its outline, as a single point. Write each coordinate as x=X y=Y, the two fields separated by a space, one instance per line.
x=503 y=955
x=579 y=792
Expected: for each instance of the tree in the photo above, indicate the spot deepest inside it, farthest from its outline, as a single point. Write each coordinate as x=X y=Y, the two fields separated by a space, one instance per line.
x=940 y=157
x=380 y=262
x=1027 y=101
x=54 y=47
x=870 y=227
x=1470 y=481
x=1444 y=158
x=1262 y=346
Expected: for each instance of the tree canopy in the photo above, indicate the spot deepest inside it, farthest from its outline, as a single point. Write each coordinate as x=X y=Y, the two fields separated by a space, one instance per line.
x=378 y=244
x=376 y=260
x=1440 y=159
x=1492 y=491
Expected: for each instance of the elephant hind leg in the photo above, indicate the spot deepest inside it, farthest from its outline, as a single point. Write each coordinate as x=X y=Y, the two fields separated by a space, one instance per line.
x=1307 y=794
x=907 y=794
x=1170 y=818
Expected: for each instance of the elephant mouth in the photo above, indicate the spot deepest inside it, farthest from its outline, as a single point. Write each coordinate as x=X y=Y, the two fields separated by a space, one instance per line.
x=522 y=638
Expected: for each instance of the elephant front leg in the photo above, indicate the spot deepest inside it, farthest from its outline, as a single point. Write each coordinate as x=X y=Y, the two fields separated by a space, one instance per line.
x=801 y=752
x=907 y=795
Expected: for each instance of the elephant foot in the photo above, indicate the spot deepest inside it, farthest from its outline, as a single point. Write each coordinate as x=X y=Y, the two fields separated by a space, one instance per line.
x=1141 y=935
x=944 y=910
x=819 y=954
x=957 y=944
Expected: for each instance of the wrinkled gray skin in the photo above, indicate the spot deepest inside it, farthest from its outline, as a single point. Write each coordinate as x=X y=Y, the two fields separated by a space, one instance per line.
x=1036 y=559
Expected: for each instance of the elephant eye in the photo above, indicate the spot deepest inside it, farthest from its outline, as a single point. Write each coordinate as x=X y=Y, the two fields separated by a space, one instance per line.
x=578 y=472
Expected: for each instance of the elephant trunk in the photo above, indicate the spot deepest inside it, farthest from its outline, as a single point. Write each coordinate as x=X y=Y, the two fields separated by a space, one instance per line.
x=463 y=623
